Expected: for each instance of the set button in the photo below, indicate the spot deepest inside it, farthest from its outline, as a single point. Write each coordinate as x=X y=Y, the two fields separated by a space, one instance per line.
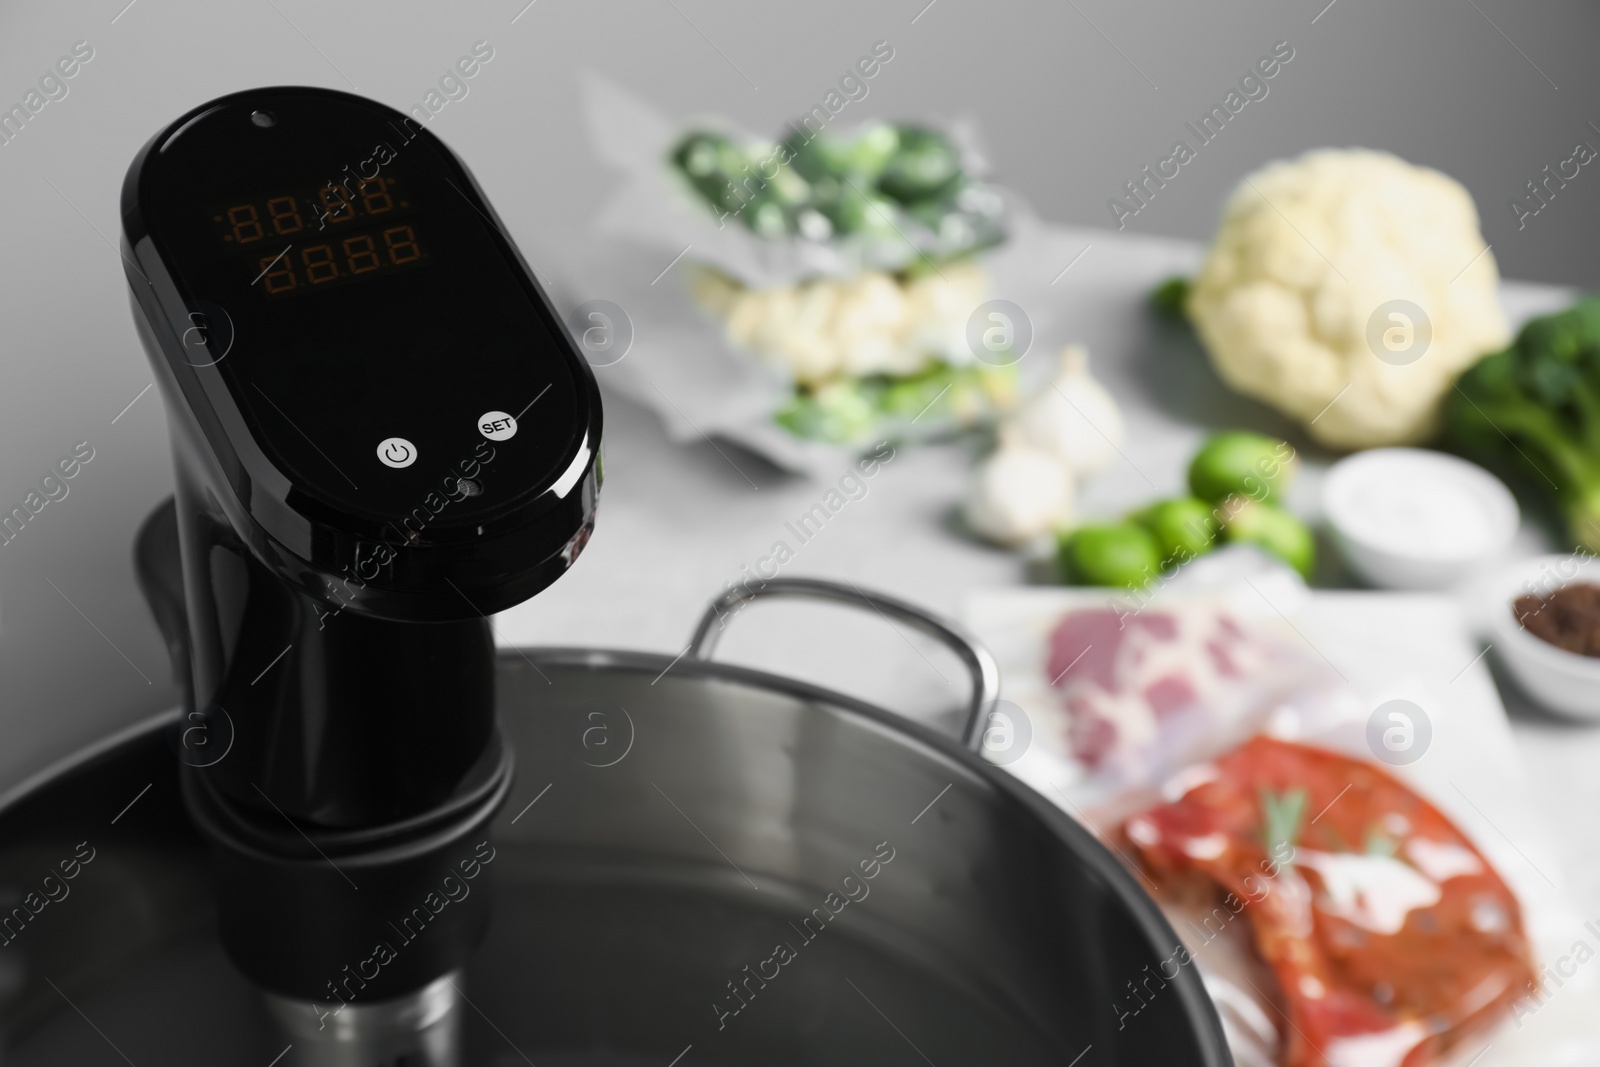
x=497 y=425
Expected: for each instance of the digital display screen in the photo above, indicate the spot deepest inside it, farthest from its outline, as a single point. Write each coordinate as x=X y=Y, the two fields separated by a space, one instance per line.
x=427 y=318
x=297 y=241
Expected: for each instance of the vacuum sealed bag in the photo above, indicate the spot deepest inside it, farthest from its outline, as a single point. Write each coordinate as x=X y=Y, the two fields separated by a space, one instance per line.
x=1325 y=804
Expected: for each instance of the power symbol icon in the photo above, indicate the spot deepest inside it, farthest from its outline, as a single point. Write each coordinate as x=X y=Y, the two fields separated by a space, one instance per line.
x=396 y=452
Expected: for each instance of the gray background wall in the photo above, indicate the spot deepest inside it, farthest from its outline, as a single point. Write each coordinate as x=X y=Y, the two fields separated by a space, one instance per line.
x=1072 y=99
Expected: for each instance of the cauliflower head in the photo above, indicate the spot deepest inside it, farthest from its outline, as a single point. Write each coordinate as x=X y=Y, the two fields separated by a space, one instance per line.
x=1349 y=289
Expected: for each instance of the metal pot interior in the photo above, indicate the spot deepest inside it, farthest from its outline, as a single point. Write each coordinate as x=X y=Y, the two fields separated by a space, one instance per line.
x=672 y=833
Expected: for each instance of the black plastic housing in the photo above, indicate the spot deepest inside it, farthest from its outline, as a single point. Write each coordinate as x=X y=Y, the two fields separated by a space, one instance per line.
x=314 y=277
x=305 y=915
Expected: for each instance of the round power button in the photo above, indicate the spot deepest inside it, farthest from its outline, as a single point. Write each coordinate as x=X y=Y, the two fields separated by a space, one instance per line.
x=397 y=452
x=497 y=425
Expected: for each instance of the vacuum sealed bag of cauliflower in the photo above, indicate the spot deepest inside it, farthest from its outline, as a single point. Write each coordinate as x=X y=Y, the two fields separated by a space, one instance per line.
x=1348 y=289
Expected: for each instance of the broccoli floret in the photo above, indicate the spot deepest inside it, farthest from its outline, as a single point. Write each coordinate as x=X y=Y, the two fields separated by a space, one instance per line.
x=1168 y=297
x=1534 y=410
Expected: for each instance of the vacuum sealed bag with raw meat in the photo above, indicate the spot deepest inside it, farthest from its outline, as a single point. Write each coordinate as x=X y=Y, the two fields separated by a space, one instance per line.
x=1339 y=916
x=1145 y=693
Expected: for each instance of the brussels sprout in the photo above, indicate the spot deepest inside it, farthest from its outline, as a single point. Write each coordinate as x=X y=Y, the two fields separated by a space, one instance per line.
x=1183 y=528
x=855 y=212
x=1244 y=464
x=987 y=231
x=925 y=165
x=979 y=199
x=785 y=185
x=765 y=216
x=813 y=225
x=870 y=153
x=880 y=217
x=1122 y=554
x=696 y=155
x=704 y=159
x=1273 y=529
x=931 y=213
x=956 y=232
x=816 y=156
x=842 y=210
x=732 y=162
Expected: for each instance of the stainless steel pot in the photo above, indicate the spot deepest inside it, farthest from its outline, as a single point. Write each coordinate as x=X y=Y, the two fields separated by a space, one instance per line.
x=700 y=864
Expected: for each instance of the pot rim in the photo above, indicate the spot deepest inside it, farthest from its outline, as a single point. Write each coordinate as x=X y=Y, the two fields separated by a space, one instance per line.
x=1079 y=839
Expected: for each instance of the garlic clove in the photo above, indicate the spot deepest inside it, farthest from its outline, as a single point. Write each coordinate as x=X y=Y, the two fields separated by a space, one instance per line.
x=1074 y=416
x=1019 y=493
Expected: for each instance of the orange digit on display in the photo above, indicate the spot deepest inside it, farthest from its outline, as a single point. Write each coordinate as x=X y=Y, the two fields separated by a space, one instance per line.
x=360 y=254
x=375 y=196
x=285 y=215
x=282 y=278
x=246 y=223
x=402 y=244
x=336 y=203
x=319 y=264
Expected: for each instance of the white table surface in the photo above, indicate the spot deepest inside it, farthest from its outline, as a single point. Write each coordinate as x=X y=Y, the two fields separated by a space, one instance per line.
x=678 y=521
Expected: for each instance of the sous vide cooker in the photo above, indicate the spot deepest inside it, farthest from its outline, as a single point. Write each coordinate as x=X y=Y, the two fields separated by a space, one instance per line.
x=382 y=435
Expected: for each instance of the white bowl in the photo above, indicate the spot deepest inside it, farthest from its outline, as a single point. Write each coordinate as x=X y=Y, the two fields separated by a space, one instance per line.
x=1562 y=681
x=1370 y=500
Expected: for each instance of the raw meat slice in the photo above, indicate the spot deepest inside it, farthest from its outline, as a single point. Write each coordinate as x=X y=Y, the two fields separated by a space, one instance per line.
x=1146 y=692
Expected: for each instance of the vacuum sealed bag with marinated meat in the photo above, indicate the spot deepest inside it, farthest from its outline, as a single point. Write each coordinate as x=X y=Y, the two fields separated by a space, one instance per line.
x=1390 y=937
x=1347 y=905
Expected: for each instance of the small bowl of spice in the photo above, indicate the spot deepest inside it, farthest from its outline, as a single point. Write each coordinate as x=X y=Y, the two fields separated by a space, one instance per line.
x=1411 y=518
x=1546 y=628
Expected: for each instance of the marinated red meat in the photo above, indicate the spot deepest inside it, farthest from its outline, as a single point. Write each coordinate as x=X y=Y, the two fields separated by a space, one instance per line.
x=1390 y=936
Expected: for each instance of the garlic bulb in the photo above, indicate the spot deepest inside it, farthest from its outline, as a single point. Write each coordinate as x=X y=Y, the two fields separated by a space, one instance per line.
x=1073 y=417
x=1019 y=493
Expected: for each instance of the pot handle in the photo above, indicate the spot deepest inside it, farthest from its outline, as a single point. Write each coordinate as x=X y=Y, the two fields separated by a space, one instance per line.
x=976 y=658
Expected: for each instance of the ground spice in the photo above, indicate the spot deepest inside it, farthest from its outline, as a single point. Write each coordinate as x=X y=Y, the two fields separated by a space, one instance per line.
x=1568 y=618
